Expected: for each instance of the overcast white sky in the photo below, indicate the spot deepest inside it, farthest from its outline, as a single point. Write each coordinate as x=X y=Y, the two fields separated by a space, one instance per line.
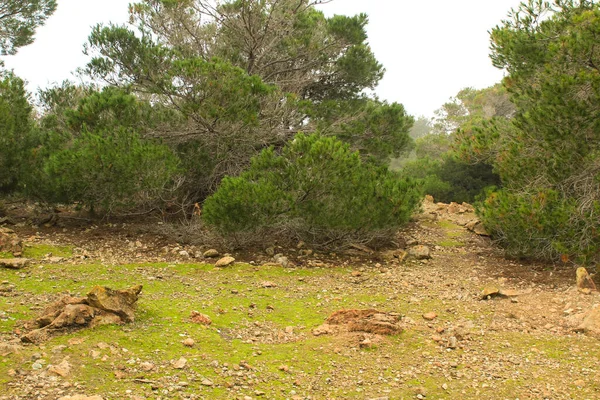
x=430 y=49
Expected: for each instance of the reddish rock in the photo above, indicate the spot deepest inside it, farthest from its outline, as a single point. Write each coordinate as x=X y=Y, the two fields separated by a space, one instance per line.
x=430 y=316
x=200 y=318
x=368 y=321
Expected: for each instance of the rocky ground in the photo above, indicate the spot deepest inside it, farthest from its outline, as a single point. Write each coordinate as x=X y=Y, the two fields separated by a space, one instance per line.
x=268 y=325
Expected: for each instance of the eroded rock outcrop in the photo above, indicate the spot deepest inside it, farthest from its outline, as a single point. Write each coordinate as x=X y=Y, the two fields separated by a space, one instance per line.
x=101 y=306
x=366 y=321
x=10 y=242
x=14 y=263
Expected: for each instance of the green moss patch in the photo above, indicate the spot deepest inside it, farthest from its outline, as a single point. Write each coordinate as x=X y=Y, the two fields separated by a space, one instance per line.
x=39 y=251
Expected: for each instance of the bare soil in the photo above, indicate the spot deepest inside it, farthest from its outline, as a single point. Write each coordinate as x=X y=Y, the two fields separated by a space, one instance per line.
x=261 y=343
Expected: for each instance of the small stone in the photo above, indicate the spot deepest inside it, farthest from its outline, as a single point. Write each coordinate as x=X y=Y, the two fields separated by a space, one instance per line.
x=509 y=293
x=452 y=342
x=184 y=253
x=268 y=284
x=63 y=369
x=207 y=382
x=180 y=364
x=579 y=383
x=189 y=342
x=59 y=349
x=282 y=260
x=95 y=354
x=430 y=316
x=224 y=262
x=212 y=253
x=489 y=292
x=200 y=318
x=37 y=365
x=420 y=391
x=147 y=366
x=420 y=252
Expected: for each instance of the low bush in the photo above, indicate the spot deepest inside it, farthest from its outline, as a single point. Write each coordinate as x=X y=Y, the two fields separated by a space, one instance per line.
x=109 y=170
x=318 y=190
x=541 y=224
x=449 y=180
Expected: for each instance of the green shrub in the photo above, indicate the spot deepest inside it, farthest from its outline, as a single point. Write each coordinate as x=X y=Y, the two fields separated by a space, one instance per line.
x=109 y=170
x=449 y=180
x=316 y=189
x=541 y=224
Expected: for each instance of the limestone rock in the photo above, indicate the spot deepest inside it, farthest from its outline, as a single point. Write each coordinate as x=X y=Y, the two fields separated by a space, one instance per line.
x=430 y=316
x=10 y=242
x=212 y=253
x=80 y=397
x=180 y=364
x=591 y=322
x=477 y=227
x=101 y=306
x=420 y=252
x=188 y=342
x=119 y=302
x=281 y=260
x=14 y=263
x=490 y=291
x=584 y=280
x=224 y=262
x=394 y=255
x=63 y=369
x=73 y=314
x=9 y=348
x=52 y=311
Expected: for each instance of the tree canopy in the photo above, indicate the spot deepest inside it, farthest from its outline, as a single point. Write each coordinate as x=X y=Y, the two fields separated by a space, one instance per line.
x=246 y=75
x=18 y=21
x=547 y=156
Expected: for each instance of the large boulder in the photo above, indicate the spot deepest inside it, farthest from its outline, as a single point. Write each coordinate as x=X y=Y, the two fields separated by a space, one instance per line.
x=10 y=242
x=224 y=262
x=119 y=302
x=420 y=252
x=591 y=323
x=101 y=306
x=14 y=263
x=585 y=283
